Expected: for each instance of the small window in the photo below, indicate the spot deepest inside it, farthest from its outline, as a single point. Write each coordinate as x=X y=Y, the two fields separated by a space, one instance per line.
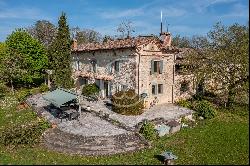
x=94 y=65
x=97 y=82
x=160 y=88
x=178 y=68
x=83 y=81
x=124 y=87
x=77 y=65
x=156 y=66
x=153 y=89
x=117 y=65
x=184 y=86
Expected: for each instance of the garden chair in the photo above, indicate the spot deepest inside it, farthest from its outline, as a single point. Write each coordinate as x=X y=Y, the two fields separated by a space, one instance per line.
x=62 y=116
x=74 y=115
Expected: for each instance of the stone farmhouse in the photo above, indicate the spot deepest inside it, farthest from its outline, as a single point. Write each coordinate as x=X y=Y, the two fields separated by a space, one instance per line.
x=146 y=64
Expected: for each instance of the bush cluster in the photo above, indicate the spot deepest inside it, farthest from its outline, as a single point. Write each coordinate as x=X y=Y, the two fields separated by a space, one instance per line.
x=27 y=134
x=90 y=89
x=185 y=103
x=127 y=103
x=43 y=88
x=3 y=89
x=205 y=109
x=148 y=131
x=22 y=94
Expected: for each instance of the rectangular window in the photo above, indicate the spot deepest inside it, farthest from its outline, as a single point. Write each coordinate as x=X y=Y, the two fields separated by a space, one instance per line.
x=78 y=65
x=184 y=86
x=154 y=89
x=156 y=66
x=160 y=88
x=94 y=67
x=83 y=81
x=97 y=82
x=117 y=65
x=124 y=87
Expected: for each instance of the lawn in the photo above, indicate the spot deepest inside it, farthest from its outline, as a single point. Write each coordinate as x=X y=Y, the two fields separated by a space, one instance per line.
x=222 y=140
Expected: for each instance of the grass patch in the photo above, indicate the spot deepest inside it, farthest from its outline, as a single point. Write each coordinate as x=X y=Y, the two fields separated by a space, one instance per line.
x=221 y=140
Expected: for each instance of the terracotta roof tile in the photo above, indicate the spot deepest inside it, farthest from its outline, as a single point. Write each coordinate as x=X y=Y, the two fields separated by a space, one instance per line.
x=119 y=43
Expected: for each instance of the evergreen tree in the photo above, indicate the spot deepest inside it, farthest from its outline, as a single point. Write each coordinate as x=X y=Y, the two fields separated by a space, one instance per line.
x=60 y=55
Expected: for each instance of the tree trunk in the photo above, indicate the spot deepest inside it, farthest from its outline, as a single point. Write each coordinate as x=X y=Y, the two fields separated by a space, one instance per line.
x=231 y=95
x=12 y=87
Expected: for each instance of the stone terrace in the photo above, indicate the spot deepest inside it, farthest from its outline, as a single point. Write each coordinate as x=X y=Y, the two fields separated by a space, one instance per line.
x=166 y=111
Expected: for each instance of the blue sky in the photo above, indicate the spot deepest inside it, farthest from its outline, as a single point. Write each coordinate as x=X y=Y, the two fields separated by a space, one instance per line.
x=186 y=17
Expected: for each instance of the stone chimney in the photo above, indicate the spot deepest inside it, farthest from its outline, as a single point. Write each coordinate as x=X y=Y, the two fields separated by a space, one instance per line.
x=74 y=45
x=166 y=39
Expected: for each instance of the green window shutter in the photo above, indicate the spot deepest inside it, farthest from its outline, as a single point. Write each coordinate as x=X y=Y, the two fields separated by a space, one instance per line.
x=161 y=67
x=152 y=67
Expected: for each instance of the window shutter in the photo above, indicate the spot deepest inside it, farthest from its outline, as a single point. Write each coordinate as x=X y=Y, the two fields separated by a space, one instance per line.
x=109 y=68
x=161 y=67
x=118 y=66
x=152 y=67
x=156 y=89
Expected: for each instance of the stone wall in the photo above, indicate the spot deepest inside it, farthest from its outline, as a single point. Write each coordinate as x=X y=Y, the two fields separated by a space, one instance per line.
x=178 y=94
x=146 y=78
x=135 y=67
x=105 y=60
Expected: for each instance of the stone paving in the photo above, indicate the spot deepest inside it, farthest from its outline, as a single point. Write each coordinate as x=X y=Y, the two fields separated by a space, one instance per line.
x=165 y=111
x=55 y=139
x=90 y=125
x=86 y=125
x=93 y=133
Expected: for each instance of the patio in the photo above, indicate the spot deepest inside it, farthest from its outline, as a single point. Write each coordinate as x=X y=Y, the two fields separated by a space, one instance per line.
x=86 y=125
x=91 y=121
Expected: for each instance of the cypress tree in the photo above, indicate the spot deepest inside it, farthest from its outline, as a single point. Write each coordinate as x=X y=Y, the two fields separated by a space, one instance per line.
x=60 y=55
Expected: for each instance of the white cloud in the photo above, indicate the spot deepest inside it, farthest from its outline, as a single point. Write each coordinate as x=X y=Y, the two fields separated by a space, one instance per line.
x=238 y=10
x=202 y=5
x=119 y=14
x=22 y=13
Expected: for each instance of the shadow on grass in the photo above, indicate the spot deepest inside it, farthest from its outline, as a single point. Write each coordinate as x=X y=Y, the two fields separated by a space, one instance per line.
x=159 y=157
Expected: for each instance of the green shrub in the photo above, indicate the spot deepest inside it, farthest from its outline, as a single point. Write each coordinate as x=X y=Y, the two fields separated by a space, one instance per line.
x=27 y=134
x=90 y=89
x=22 y=94
x=43 y=88
x=205 y=109
x=148 y=131
x=127 y=103
x=3 y=89
x=185 y=103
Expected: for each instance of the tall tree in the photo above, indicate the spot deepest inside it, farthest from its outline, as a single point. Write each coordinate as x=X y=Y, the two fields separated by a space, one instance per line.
x=85 y=35
x=60 y=54
x=222 y=59
x=44 y=31
x=126 y=28
x=28 y=55
x=181 y=42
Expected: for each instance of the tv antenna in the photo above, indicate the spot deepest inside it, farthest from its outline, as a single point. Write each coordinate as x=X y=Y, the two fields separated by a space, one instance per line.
x=167 y=25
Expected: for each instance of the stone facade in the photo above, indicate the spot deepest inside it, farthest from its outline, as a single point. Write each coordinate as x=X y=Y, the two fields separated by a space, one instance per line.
x=145 y=64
